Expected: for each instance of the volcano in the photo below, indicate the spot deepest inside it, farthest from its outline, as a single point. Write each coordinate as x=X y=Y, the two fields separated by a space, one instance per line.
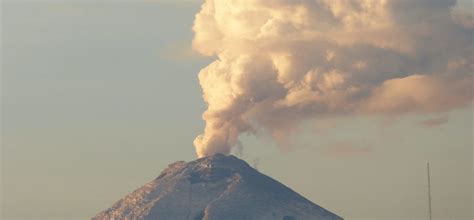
x=216 y=187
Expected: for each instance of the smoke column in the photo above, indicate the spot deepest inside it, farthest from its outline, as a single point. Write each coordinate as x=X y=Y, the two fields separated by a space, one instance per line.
x=283 y=61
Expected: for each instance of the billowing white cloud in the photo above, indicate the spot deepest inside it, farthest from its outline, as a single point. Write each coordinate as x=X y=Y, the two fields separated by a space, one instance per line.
x=283 y=61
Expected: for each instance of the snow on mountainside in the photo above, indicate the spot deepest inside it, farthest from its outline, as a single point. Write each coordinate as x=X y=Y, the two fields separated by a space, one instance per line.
x=214 y=188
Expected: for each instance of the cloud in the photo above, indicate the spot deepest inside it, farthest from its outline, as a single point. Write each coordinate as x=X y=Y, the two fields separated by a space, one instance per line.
x=181 y=52
x=282 y=62
x=433 y=122
x=346 y=149
x=420 y=93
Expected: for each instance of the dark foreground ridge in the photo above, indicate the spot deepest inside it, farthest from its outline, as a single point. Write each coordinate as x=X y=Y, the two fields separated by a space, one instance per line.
x=214 y=188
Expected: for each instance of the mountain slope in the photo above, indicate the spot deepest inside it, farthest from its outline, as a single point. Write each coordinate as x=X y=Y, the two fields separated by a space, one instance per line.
x=214 y=188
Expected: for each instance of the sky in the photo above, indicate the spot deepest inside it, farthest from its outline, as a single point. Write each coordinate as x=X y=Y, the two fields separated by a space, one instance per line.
x=99 y=96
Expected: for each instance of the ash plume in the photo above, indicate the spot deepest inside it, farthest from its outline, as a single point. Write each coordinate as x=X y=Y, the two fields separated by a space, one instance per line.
x=280 y=62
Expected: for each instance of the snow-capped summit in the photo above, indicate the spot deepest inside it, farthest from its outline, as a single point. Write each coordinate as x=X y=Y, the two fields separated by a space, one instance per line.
x=217 y=187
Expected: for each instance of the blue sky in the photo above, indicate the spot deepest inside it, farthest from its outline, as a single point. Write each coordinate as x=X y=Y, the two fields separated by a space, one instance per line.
x=99 y=96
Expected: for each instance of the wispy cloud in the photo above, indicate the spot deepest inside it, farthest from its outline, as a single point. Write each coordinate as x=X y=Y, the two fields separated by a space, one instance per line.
x=433 y=122
x=346 y=149
x=181 y=51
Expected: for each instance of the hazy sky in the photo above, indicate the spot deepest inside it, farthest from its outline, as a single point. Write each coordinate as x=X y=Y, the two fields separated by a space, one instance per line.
x=99 y=96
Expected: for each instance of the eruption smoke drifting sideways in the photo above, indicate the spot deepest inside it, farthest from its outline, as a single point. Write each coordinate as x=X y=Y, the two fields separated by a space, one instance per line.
x=282 y=61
